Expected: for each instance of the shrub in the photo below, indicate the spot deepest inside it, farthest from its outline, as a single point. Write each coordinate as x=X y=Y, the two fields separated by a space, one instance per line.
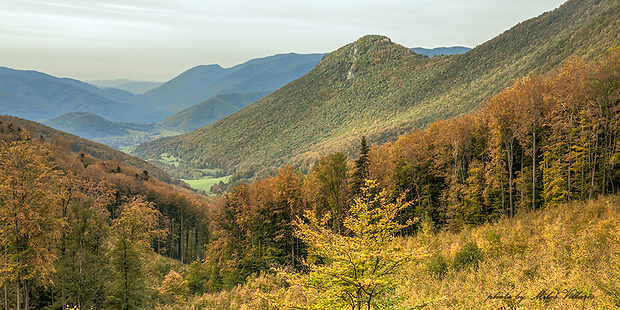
x=469 y=255
x=437 y=266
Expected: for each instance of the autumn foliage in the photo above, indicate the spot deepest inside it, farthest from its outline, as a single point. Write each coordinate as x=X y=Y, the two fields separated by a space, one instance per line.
x=79 y=231
x=72 y=226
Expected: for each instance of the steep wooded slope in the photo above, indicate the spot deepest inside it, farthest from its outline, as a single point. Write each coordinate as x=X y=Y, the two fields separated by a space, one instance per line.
x=77 y=144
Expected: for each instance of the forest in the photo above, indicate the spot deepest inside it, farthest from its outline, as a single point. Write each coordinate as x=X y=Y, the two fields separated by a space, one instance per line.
x=77 y=231
x=544 y=141
x=81 y=232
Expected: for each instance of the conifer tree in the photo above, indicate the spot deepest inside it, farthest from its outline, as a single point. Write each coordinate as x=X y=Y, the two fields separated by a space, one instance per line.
x=360 y=174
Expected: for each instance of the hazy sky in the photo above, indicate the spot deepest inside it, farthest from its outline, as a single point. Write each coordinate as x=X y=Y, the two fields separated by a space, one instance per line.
x=158 y=39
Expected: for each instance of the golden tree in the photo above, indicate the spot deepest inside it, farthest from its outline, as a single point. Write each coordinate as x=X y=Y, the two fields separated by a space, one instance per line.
x=29 y=219
x=356 y=269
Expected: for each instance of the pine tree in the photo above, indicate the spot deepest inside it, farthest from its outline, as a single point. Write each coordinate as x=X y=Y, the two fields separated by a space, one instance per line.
x=360 y=174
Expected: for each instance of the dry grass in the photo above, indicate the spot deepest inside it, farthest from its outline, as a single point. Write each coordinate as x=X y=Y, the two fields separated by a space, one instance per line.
x=563 y=258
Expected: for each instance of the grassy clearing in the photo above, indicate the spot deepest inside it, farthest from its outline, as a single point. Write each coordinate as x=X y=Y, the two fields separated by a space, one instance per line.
x=163 y=132
x=170 y=159
x=205 y=184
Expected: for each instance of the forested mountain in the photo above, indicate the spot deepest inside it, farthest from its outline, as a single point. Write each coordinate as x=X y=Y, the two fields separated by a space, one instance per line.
x=380 y=89
x=87 y=125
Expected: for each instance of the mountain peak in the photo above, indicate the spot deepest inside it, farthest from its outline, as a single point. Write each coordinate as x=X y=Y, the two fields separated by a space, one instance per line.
x=373 y=39
x=361 y=58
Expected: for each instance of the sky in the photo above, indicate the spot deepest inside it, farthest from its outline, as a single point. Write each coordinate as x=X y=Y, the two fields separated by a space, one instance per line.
x=155 y=40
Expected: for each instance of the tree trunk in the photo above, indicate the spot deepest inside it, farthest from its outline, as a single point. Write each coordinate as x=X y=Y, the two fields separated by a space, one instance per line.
x=181 y=239
x=80 y=277
x=26 y=295
x=6 y=287
x=510 y=155
x=64 y=298
x=533 y=170
x=570 y=155
x=18 y=294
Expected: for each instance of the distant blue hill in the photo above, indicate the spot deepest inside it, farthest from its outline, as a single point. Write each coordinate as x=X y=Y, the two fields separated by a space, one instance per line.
x=86 y=125
x=134 y=87
x=455 y=50
x=195 y=98
x=257 y=75
x=37 y=96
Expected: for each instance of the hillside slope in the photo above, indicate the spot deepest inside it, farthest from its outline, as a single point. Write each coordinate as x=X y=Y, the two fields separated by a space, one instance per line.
x=94 y=149
x=87 y=125
x=561 y=258
x=210 y=111
x=376 y=88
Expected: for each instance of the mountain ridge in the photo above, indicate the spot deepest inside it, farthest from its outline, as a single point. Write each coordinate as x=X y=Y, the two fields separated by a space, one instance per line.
x=132 y=86
x=86 y=124
x=260 y=74
x=39 y=96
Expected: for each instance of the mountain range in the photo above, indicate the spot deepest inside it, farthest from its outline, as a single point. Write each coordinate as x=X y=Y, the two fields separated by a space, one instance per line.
x=379 y=89
x=441 y=51
x=38 y=96
x=257 y=75
x=134 y=87
x=42 y=97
